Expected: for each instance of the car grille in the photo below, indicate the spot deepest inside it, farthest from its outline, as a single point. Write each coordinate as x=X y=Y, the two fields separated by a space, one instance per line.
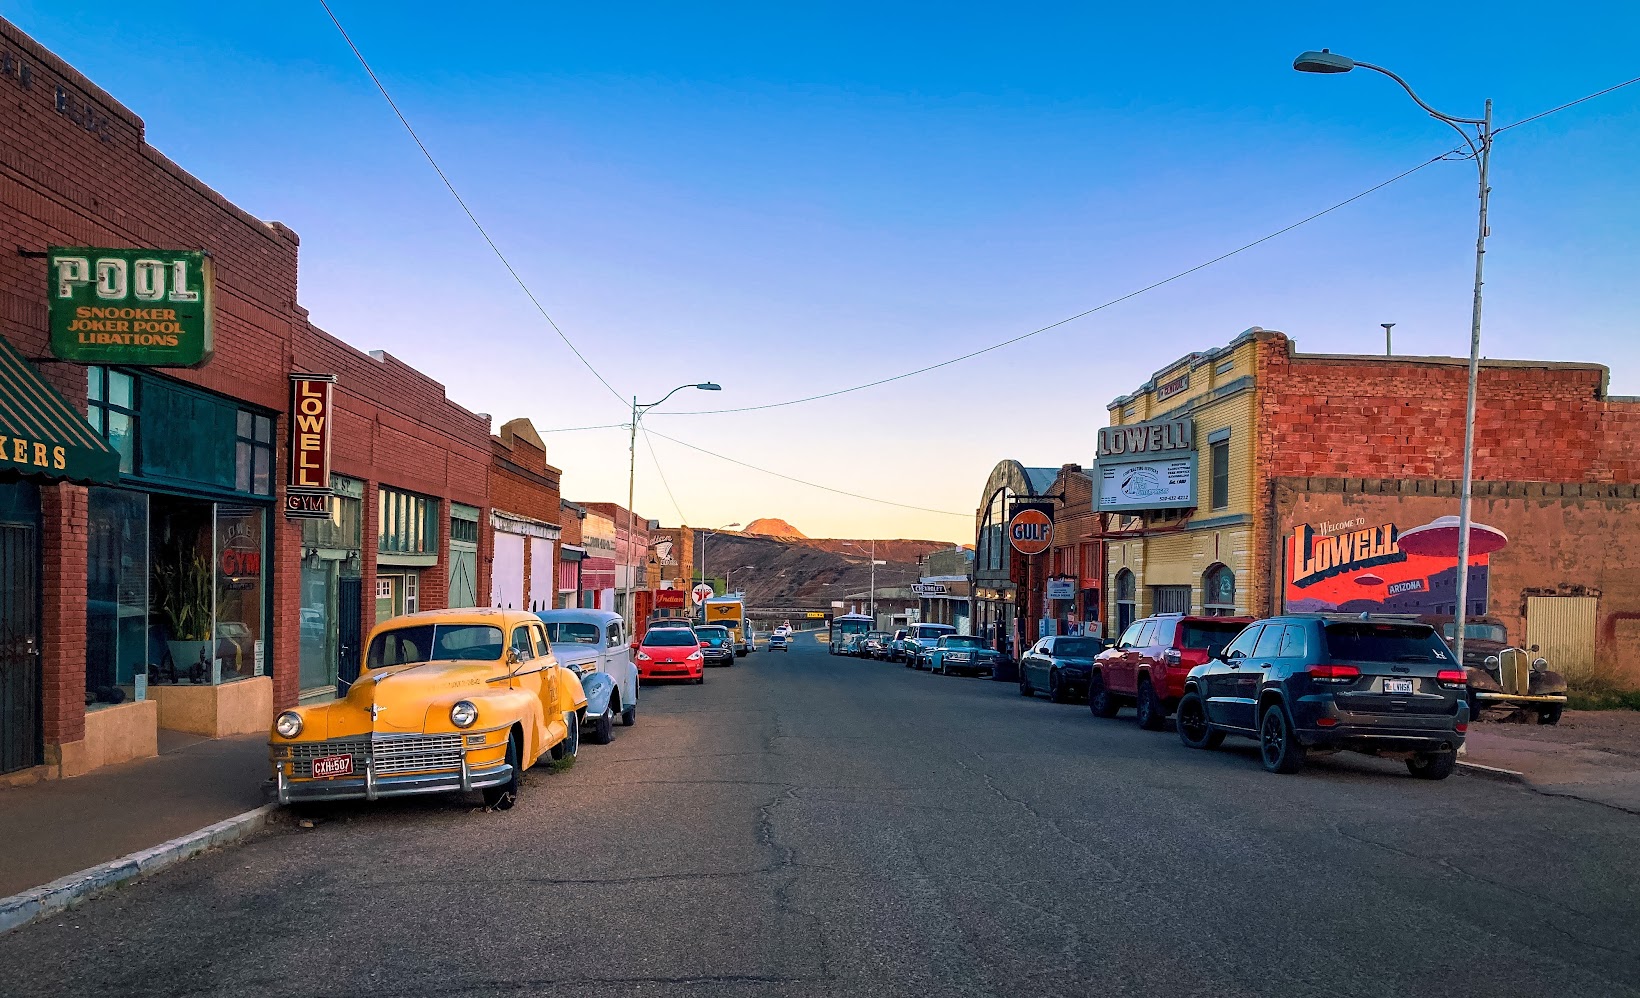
x=392 y=754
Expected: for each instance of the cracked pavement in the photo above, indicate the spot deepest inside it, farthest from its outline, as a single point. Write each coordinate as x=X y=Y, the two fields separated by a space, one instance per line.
x=808 y=825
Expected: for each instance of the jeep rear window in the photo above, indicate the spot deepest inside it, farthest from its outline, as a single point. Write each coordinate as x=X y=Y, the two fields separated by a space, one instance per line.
x=1368 y=642
x=1211 y=636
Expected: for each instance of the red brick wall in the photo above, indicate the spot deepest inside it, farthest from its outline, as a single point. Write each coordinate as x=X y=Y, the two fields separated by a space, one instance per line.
x=64 y=520
x=1402 y=418
x=1329 y=416
x=1075 y=526
x=85 y=175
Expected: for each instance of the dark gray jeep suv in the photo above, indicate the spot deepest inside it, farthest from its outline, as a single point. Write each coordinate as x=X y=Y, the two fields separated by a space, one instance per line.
x=1330 y=682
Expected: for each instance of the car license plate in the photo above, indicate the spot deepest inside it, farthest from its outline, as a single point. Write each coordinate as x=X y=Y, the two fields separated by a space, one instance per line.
x=1397 y=686
x=332 y=765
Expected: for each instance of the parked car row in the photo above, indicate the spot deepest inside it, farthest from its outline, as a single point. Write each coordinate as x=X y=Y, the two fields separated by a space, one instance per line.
x=1301 y=684
x=452 y=701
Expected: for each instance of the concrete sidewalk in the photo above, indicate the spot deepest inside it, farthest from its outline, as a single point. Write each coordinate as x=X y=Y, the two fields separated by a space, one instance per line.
x=1590 y=755
x=58 y=827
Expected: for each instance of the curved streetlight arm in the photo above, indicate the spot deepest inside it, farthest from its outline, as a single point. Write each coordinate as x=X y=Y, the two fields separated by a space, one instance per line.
x=1481 y=124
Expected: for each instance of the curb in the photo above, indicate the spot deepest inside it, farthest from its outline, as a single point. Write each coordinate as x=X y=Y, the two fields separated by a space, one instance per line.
x=1493 y=773
x=66 y=892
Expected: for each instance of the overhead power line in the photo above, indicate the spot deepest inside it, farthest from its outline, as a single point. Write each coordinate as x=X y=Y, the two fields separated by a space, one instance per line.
x=1150 y=287
x=1556 y=110
x=1072 y=318
x=469 y=212
x=667 y=485
x=812 y=485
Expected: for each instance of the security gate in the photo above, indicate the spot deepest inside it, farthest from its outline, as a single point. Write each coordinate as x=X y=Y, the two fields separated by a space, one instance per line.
x=349 y=631
x=1563 y=629
x=1170 y=599
x=20 y=743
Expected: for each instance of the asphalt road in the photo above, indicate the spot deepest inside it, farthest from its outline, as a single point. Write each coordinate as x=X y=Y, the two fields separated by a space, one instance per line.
x=808 y=825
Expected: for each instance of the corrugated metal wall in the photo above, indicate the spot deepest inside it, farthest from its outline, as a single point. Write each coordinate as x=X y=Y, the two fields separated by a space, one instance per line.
x=1563 y=629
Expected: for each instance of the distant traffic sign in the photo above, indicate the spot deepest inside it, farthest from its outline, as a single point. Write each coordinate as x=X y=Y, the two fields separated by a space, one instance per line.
x=816 y=615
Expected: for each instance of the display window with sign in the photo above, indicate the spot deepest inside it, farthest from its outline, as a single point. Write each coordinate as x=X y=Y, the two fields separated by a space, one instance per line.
x=207 y=591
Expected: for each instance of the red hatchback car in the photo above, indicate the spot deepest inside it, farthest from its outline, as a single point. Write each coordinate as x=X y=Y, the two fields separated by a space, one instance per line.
x=1149 y=663
x=671 y=653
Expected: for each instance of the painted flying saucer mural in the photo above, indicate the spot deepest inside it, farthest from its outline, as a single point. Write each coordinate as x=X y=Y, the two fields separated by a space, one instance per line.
x=1356 y=567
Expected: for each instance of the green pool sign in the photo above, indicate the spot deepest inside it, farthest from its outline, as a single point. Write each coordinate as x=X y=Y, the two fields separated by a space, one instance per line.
x=143 y=307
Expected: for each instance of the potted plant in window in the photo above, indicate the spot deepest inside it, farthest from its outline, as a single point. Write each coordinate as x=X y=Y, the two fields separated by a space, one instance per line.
x=182 y=589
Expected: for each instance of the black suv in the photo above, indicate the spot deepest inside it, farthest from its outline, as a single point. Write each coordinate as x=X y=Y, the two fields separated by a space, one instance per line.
x=1328 y=683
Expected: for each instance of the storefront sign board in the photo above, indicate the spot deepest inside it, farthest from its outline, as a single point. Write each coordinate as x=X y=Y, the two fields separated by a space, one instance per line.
x=1061 y=588
x=310 y=411
x=1030 y=530
x=1139 y=485
x=137 y=307
x=669 y=599
x=928 y=589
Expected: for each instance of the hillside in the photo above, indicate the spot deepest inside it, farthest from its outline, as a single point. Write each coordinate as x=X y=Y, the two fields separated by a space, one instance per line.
x=768 y=526
x=804 y=571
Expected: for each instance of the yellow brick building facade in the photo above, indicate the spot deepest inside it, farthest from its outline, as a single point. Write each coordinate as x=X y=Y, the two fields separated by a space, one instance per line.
x=1171 y=559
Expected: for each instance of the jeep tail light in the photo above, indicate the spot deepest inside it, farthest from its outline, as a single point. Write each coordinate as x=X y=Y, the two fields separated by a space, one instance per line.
x=1461 y=727
x=1452 y=677
x=1326 y=722
x=1334 y=673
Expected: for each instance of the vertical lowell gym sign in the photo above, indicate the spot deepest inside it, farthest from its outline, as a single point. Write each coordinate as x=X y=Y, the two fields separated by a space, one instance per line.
x=307 y=494
x=142 y=307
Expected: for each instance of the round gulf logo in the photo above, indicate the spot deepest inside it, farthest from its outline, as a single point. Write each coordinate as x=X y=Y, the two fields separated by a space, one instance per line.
x=1030 y=531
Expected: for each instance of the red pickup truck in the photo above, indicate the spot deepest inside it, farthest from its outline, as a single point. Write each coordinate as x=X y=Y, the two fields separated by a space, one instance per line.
x=1148 y=665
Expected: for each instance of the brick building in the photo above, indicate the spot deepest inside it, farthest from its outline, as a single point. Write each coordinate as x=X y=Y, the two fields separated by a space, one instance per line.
x=572 y=554
x=1075 y=564
x=632 y=549
x=1346 y=487
x=172 y=592
x=524 y=492
x=1006 y=594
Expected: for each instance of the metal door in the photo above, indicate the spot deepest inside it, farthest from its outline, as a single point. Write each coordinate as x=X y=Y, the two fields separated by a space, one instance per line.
x=349 y=627
x=1170 y=599
x=1563 y=629
x=20 y=744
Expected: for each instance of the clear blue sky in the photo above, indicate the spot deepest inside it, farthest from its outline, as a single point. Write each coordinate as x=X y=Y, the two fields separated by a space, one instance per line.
x=789 y=200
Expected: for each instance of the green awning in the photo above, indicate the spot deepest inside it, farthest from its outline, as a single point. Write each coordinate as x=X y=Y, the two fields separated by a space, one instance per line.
x=41 y=436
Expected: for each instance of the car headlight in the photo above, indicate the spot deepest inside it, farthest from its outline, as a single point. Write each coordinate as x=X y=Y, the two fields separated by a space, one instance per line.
x=644 y=657
x=288 y=724
x=463 y=714
x=694 y=657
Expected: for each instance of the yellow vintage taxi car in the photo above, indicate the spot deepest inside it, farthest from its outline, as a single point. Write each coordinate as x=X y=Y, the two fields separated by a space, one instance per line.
x=447 y=701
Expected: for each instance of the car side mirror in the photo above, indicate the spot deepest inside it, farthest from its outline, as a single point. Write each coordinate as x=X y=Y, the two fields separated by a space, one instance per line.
x=1237 y=653
x=512 y=656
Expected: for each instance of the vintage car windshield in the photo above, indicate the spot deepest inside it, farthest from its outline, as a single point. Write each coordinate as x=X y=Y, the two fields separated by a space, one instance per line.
x=434 y=643
x=1478 y=632
x=717 y=637
x=574 y=633
x=670 y=637
x=927 y=631
x=962 y=642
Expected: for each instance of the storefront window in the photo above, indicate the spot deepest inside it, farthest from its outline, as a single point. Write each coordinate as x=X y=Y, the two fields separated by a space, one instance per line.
x=406 y=523
x=111 y=409
x=1127 y=602
x=1219 y=591
x=239 y=640
x=330 y=554
x=205 y=591
x=117 y=634
x=253 y=453
x=181 y=589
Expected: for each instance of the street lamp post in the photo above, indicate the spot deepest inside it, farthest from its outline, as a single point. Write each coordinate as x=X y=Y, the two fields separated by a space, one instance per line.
x=1480 y=147
x=638 y=412
x=874 y=564
x=705 y=533
x=727 y=588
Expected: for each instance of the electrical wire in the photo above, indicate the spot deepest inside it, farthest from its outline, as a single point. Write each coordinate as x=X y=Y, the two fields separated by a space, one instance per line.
x=1080 y=315
x=577 y=429
x=812 y=485
x=459 y=200
x=668 y=486
x=1151 y=287
x=1556 y=110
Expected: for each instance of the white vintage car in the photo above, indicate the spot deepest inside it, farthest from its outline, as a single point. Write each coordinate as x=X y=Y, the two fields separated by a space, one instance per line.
x=593 y=643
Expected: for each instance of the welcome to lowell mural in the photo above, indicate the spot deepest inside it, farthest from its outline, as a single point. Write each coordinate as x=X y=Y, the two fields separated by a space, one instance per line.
x=1354 y=567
